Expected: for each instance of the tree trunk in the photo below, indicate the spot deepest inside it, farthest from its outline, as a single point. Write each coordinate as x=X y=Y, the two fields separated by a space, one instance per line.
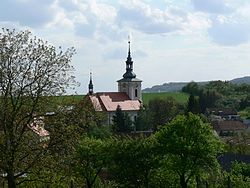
x=198 y=182
x=11 y=180
x=183 y=181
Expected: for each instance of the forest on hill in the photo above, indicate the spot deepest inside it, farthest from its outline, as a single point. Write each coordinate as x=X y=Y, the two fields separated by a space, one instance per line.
x=220 y=94
x=177 y=86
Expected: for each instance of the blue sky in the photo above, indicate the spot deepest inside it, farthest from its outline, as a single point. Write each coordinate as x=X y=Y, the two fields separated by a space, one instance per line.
x=171 y=40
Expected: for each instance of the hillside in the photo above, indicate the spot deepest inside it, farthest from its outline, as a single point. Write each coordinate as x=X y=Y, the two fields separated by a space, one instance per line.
x=168 y=87
x=177 y=86
x=243 y=80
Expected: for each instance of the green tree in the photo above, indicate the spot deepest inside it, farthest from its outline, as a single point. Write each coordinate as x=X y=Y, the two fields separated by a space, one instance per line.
x=190 y=147
x=122 y=121
x=142 y=122
x=30 y=71
x=91 y=158
x=132 y=161
x=208 y=99
x=193 y=104
x=161 y=111
x=191 y=88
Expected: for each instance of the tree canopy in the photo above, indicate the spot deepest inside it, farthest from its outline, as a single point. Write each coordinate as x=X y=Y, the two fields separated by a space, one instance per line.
x=190 y=147
x=30 y=70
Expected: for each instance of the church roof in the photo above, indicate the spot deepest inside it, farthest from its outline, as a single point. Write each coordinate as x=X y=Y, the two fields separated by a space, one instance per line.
x=108 y=101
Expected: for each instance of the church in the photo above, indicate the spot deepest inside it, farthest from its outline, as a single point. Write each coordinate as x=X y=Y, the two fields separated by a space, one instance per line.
x=128 y=97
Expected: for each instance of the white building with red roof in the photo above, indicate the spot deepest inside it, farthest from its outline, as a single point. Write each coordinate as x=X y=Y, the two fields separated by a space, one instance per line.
x=128 y=97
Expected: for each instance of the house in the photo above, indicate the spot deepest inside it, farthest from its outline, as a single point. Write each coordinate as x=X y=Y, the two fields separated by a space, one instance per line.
x=228 y=127
x=222 y=113
x=128 y=97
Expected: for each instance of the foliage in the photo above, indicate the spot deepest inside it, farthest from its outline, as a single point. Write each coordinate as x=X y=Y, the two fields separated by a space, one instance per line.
x=191 y=88
x=190 y=146
x=132 y=161
x=193 y=104
x=220 y=94
x=162 y=177
x=245 y=113
x=142 y=122
x=100 y=132
x=161 y=111
x=208 y=99
x=122 y=121
x=91 y=158
x=30 y=69
x=241 y=169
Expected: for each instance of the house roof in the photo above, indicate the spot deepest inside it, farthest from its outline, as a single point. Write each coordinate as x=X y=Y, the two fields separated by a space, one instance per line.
x=228 y=125
x=37 y=126
x=222 y=111
x=108 y=101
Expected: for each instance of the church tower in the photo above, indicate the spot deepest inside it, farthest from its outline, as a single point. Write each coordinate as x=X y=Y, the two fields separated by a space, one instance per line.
x=129 y=83
x=91 y=91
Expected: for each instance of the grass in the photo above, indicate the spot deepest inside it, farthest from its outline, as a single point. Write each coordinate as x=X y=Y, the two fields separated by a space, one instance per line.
x=67 y=99
x=178 y=96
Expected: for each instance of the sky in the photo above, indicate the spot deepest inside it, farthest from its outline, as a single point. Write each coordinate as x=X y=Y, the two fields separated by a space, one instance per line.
x=171 y=40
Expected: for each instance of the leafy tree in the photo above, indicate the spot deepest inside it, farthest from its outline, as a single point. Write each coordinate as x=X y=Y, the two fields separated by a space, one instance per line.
x=142 y=122
x=208 y=99
x=91 y=158
x=193 y=104
x=30 y=71
x=245 y=102
x=190 y=147
x=222 y=87
x=161 y=111
x=241 y=169
x=122 y=121
x=132 y=161
x=191 y=88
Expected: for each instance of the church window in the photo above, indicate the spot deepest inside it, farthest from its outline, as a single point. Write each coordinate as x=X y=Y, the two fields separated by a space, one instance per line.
x=136 y=93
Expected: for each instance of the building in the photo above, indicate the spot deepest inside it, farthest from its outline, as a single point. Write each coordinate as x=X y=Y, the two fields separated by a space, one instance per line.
x=222 y=113
x=228 y=127
x=128 y=97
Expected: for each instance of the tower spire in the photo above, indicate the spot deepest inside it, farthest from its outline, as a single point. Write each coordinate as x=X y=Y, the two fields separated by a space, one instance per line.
x=129 y=64
x=129 y=54
x=90 y=84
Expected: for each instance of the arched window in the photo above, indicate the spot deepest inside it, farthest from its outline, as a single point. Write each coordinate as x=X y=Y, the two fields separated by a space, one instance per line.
x=136 y=93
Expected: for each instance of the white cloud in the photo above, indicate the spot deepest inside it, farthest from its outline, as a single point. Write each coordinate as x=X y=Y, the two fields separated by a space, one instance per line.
x=104 y=12
x=150 y=20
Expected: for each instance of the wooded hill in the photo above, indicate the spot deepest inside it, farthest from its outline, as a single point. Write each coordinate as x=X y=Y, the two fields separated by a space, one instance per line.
x=177 y=86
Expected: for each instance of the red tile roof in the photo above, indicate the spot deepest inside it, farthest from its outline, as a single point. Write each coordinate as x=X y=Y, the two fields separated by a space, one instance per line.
x=109 y=101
